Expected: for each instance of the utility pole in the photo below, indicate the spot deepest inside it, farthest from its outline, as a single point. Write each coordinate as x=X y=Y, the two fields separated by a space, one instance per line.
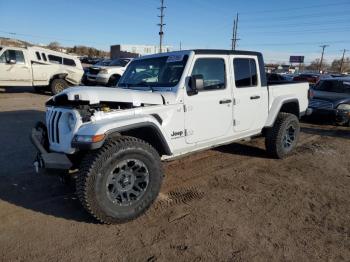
x=161 y=24
x=233 y=35
x=323 y=47
x=342 y=61
x=180 y=46
x=234 y=38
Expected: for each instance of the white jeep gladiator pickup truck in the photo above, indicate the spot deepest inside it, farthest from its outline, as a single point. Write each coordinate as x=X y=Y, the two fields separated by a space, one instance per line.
x=38 y=67
x=164 y=106
x=109 y=74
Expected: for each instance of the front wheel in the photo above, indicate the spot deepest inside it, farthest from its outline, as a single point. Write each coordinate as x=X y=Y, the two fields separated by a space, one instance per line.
x=120 y=181
x=282 y=138
x=113 y=80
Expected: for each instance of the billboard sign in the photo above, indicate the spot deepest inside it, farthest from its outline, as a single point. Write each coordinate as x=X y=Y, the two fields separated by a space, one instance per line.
x=296 y=59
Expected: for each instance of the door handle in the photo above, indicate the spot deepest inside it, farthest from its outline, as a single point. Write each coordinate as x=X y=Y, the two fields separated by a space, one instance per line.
x=254 y=97
x=225 y=101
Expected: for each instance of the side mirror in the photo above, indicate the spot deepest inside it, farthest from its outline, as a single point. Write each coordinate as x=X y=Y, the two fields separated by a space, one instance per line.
x=196 y=83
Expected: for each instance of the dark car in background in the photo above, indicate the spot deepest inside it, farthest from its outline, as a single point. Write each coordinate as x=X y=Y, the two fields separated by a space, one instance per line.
x=331 y=98
x=311 y=78
x=276 y=79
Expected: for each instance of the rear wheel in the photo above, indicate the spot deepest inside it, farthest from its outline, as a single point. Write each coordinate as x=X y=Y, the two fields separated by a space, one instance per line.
x=282 y=138
x=120 y=181
x=58 y=85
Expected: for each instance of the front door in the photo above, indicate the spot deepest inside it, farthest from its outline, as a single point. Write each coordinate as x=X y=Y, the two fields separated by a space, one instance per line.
x=14 y=70
x=208 y=114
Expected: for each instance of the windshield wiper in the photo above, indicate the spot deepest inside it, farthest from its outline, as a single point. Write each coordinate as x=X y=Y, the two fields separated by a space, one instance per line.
x=145 y=84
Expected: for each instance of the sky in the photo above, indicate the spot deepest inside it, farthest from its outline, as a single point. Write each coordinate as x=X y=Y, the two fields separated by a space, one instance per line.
x=276 y=28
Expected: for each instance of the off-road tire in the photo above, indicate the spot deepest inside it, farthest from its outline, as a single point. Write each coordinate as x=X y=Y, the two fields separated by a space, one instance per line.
x=58 y=85
x=93 y=175
x=275 y=135
x=113 y=80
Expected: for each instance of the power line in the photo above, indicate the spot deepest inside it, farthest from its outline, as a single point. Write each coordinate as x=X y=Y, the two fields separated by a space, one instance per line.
x=331 y=22
x=161 y=24
x=296 y=8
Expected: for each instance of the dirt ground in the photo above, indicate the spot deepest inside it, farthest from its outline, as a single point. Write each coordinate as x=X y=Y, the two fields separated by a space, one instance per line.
x=232 y=203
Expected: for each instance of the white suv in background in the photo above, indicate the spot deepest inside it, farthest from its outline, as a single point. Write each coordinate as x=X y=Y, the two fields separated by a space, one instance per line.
x=109 y=75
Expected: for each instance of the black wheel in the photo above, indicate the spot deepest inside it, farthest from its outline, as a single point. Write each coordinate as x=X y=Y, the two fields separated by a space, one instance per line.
x=282 y=138
x=113 y=80
x=120 y=181
x=58 y=85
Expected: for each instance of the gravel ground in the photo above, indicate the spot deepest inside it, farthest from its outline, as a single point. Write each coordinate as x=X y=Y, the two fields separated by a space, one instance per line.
x=232 y=203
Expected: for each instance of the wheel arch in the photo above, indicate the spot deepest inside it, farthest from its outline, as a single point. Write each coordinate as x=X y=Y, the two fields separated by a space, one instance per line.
x=58 y=76
x=146 y=131
x=289 y=105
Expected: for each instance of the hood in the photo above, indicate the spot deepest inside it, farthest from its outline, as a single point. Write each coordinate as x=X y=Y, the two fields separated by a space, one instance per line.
x=95 y=95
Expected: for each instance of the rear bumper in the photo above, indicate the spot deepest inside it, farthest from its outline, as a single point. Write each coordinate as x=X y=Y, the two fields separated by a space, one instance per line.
x=47 y=161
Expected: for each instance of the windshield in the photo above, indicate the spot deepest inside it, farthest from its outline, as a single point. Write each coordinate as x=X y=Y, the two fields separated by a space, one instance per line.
x=103 y=63
x=164 y=71
x=119 y=62
x=337 y=86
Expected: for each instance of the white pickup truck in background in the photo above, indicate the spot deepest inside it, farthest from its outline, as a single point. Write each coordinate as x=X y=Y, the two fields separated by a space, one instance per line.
x=39 y=67
x=165 y=106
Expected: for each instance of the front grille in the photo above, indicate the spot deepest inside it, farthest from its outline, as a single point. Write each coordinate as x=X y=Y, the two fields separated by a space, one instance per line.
x=323 y=104
x=94 y=70
x=52 y=121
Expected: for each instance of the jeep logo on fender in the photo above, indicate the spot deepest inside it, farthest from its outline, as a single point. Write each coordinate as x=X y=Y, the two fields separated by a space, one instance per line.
x=177 y=134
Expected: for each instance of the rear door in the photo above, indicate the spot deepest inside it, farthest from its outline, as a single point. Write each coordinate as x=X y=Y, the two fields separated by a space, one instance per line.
x=208 y=114
x=251 y=98
x=14 y=69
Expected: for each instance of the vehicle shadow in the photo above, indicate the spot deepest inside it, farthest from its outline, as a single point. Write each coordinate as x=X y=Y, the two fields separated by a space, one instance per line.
x=340 y=133
x=17 y=89
x=324 y=127
x=20 y=185
x=243 y=150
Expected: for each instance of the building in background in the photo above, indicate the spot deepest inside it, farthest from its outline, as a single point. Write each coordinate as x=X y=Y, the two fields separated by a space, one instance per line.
x=120 y=51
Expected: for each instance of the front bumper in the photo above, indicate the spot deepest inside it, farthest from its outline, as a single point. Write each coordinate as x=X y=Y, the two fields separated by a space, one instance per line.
x=100 y=79
x=339 y=116
x=47 y=161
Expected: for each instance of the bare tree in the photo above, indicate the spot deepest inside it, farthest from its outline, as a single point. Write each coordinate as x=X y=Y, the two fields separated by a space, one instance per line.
x=54 y=46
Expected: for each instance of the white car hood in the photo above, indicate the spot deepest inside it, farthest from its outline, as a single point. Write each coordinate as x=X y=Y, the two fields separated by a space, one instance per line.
x=95 y=95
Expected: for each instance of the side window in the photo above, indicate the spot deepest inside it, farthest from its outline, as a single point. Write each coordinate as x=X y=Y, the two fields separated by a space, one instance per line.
x=245 y=72
x=69 y=62
x=55 y=59
x=213 y=72
x=19 y=57
x=44 y=56
x=12 y=55
x=3 y=57
x=346 y=86
x=38 y=55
